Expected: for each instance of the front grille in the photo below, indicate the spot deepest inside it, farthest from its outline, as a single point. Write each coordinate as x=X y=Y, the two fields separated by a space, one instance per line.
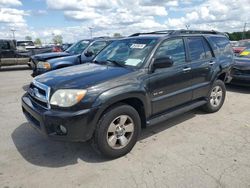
x=39 y=93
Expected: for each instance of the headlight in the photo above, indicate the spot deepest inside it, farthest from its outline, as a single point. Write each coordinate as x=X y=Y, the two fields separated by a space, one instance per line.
x=67 y=97
x=43 y=65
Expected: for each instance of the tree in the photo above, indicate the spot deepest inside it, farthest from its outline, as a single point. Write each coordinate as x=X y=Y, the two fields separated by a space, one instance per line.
x=28 y=38
x=117 y=35
x=57 y=39
x=38 y=42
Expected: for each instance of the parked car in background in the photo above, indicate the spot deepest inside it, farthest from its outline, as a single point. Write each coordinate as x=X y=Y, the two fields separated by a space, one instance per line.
x=133 y=83
x=75 y=49
x=66 y=46
x=241 y=71
x=87 y=56
x=241 y=46
x=29 y=48
x=9 y=55
x=245 y=53
x=22 y=45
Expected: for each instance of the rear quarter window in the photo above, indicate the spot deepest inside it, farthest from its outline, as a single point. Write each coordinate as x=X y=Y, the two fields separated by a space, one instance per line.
x=221 y=45
x=4 y=45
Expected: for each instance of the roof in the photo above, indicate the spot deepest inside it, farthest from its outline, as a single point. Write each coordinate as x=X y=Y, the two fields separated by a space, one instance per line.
x=178 y=32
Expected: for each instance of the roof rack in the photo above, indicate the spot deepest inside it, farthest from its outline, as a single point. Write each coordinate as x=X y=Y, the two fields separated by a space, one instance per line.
x=176 y=32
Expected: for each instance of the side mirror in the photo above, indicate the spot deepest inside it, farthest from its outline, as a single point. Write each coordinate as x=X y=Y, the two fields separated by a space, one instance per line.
x=163 y=62
x=88 y=53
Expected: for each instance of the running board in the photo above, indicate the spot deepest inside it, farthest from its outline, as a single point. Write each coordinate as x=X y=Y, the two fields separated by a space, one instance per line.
x=176 y=112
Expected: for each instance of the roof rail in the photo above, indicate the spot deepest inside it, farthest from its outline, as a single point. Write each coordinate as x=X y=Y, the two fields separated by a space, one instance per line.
x=176 y=32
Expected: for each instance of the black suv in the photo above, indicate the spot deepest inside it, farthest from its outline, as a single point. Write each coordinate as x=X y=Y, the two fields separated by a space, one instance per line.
x=133 y=83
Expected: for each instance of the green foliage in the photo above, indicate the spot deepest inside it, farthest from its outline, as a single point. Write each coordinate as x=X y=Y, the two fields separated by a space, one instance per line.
x=28 y=38
x=235 y=36
x=57 y=39
x=117 y=35
x=38 y=41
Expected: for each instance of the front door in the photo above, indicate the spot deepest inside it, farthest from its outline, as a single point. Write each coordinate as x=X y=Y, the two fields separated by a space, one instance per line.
x=171 y=87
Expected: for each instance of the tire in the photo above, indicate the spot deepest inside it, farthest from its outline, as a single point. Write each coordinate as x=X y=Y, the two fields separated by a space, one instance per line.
x=216 y=97
x=110 y=132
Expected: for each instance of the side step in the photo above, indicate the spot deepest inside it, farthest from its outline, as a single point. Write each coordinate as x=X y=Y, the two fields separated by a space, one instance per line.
x=176 y=112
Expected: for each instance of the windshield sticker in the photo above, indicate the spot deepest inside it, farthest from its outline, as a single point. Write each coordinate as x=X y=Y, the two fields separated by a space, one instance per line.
x=138 y=46
x=132 y=62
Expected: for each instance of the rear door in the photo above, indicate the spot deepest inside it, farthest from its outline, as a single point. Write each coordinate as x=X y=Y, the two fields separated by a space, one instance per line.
x=171 y=87
x=202 y=61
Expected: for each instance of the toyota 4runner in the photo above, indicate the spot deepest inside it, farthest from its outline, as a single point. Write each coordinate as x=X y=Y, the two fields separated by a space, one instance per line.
x=135 y=82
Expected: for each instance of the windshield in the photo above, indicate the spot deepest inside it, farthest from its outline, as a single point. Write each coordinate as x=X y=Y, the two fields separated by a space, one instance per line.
x=97 y=46
x=78 y=47
x=128 y=52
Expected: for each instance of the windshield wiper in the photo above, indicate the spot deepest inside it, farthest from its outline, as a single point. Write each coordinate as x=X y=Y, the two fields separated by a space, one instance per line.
x=116 y=62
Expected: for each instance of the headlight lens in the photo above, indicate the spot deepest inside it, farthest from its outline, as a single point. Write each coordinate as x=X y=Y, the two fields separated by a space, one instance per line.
x=43 y=65
x=67 y=97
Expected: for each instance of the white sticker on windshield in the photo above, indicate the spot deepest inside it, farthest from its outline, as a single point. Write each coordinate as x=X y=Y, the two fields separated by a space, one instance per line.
x=132 y=62
x=138 y=46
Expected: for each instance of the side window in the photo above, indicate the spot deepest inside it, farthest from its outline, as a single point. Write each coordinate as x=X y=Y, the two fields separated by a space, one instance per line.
x=221 y=45
x=4 y=45
x=196 y=49
x=173 y=48
x=207 y=48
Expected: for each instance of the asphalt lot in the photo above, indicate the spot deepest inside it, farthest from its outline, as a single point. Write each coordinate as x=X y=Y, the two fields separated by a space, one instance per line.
x=191 y=150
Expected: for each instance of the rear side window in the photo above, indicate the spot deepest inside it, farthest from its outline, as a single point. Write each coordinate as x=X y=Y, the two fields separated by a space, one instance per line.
x=4 y=45
x=173 y=48
x=196 y=49
x=220 y=45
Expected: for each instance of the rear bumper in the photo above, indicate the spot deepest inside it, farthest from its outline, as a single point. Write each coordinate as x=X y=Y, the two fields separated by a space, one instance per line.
x=80 y=125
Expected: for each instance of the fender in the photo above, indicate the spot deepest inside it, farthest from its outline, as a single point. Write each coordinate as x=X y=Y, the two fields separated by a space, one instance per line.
x=117 y=94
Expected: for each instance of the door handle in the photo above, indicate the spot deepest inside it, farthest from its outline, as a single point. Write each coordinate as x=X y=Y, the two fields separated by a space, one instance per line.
x=186 y=69
x=211 y=63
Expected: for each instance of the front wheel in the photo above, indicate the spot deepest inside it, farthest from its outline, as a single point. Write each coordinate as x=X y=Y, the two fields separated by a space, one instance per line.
x=117 y=131
x=216 y=97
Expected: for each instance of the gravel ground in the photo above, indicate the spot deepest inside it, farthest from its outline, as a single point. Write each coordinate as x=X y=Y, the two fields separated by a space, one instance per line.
x=191 y=150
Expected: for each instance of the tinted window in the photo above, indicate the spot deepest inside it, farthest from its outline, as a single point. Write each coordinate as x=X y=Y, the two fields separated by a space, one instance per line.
x=220 y=45
x=207 y=48
x=173 y=48
x=4 y=45
x=196 y=49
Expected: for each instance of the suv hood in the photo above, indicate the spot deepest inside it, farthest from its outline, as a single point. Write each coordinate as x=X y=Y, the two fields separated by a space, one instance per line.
x=70 y=58
x=81 y=76
x=47 y=56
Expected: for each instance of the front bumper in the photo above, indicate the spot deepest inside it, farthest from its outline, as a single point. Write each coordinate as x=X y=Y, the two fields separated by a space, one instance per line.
x=243 y=80
x=80 y=125
x=37 y=72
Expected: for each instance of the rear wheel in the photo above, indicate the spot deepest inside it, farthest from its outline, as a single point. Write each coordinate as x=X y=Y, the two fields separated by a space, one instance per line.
x=216 y=97
x=117 y=131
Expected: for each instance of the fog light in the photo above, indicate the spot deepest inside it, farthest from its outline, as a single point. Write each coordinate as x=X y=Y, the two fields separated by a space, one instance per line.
x=63 y=129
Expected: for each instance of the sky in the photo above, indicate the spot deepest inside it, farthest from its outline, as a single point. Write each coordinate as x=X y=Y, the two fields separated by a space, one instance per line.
x=73 y=18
